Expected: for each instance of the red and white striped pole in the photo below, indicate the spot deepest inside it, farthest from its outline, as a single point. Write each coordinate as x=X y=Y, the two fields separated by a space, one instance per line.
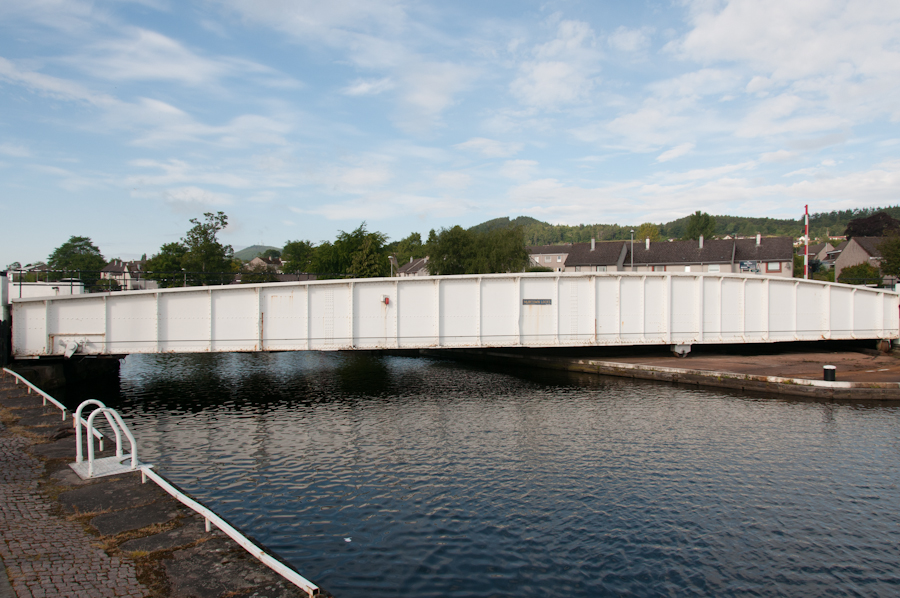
x=806 y=250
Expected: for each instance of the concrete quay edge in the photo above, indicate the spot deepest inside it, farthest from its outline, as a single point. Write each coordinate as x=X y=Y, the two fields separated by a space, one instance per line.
x=803 y=387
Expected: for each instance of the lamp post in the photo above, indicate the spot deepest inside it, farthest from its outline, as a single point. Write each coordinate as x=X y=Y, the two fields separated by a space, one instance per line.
x=632 y=250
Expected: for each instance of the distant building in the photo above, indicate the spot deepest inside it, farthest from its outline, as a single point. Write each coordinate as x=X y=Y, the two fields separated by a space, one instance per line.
x=273 y=264
x=859 y=250
x=550 y=256
x=818 y=251
x=415 y=267
x=765 y=255
x=128 y=275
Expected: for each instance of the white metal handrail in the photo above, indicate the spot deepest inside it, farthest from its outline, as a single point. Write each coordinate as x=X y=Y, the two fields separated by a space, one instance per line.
x=31 y=387
x=245 y=543
x=118 y=426
x=77 y=419
x=97 y=433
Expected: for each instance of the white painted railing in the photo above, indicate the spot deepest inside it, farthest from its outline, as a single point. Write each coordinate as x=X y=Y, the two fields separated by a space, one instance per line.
x=96 y=433
x=498 y=310
x=44 y=395
x=211 y=518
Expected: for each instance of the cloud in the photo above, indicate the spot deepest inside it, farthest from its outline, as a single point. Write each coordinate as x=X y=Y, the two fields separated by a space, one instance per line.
x=778 y=156
x=155 y=122
x=387 y=206
x=490 y=148
x=145 y=55
x=191 y=199
x=181 y=172
x=675 y=152
x=624 y=39
x=373 y=35
x=14 y=151
x=363 y=87
x=429 y=88
x=518 y=169
x=561 y=71
x=452 y=180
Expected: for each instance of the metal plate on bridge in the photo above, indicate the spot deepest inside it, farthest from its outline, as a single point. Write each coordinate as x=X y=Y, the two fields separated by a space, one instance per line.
x=106 y=466
x=537 y=301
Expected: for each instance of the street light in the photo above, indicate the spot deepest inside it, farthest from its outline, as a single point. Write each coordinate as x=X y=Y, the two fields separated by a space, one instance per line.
x=632 y=250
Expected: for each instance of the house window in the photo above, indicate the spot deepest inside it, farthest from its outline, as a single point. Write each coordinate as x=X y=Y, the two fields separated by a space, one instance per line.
x=601 y=268
x=714 y=268
x=659 y=268
x=773 y=266
x=559 y=258
x=547 y=259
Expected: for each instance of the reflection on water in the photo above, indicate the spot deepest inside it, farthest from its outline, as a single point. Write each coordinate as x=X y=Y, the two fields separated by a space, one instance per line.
x=448 y=480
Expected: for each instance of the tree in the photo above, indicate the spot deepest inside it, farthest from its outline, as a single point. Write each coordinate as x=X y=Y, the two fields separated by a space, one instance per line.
x=499 y=250
x=210 y=261
x=14 y=266
x=876 y=225
x=80 y=258
x=648 y=230
x=272 y=254
x=459 y=251
x=450 y=251
x=367 y=261
x=337 y=259
x=700 y=223
x=78 y=253
x=863 y=273
x=166 y=266
x=890 y=255
x=297 y=256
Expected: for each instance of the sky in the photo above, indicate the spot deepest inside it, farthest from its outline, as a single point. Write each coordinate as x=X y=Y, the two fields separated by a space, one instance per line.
x=122 y=120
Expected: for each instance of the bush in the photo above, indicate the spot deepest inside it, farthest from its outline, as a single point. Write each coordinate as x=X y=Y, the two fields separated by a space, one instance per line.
x=863 y=273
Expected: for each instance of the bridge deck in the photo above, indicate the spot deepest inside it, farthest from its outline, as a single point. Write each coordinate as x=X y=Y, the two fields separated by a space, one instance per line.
x=500 y=310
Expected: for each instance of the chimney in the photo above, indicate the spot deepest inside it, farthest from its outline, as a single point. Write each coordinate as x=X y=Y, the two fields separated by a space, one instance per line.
x=758 y=239
x=593 y=243
x=648 y=243
x=410 y=259
x=701 y=241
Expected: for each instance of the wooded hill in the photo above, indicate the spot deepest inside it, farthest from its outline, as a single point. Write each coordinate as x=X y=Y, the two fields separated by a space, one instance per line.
x=820 y=226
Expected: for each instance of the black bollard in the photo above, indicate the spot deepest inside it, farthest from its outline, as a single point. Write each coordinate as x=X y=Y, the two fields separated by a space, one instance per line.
x=829 y=371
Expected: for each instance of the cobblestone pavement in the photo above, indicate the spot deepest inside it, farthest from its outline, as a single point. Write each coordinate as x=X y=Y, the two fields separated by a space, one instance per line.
x=46 y=555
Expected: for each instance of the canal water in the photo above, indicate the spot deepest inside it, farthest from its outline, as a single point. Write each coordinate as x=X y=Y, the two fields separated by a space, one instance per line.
x=383 y=476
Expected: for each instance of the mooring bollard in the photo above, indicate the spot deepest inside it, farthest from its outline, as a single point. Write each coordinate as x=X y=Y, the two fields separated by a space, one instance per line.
x=829 y=371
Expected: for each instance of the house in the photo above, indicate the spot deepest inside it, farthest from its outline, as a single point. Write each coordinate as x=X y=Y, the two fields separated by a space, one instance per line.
x=608 y=256
x=259 y=263
x=128 y=275
x=415 y=267
x=832 y=255
x=766 y=255
x=859 y=250
x=818 y=251
x=550 y=256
